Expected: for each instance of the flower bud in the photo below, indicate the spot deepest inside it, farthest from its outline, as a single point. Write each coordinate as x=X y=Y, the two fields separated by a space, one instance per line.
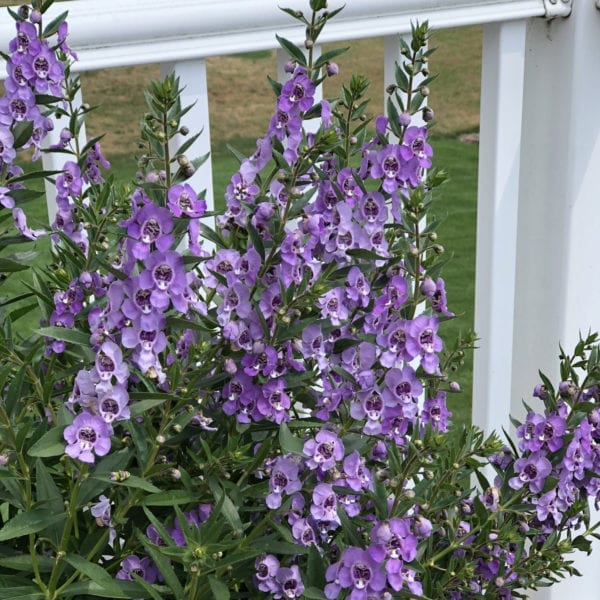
x=183 y=160
x=23 y=11
x=404 y=119
x=424 y=91
x=332 y=69
x=36 y=16
x=308 y=44
x=160 y=439
x=427 y=114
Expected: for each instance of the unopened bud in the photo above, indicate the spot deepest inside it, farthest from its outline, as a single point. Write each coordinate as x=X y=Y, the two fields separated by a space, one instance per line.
x=184 y=130
x=35 y=16
x=332 y=69
x=308 y=44
x=427 y=114
x=160 y=439
x=404 y=119
x=23 y=11
x=183 y=160
x=424 y=91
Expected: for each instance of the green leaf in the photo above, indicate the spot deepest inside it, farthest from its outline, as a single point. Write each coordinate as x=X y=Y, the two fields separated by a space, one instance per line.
x=22 y=562
x=133 y=482
x=24 y=592
x=218 y=588
x=11 y=266
x=22 y=132
x=67 y=335
x=53 y=26
x=228 y=509
x=82 y=589
x=170 y=498
x=313 y=593
x=49 y=496
x=164 y=566
x=28 y=522
x=94 y=572
x=292 y=50
x=139 y=407
x=52 y=443
x=288 y=441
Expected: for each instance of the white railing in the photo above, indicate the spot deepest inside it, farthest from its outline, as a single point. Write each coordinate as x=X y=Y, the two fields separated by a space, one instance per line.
x=538 y=276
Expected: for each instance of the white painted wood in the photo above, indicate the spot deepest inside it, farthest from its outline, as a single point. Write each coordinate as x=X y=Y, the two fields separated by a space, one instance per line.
x=498 y=193
x=116 y=33
x=54 y=161
x=558 y=271
x=194 y=83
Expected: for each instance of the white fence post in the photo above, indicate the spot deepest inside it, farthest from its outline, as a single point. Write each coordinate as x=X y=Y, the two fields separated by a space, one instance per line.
x=499 y=163
x=558 y=271
x=194 y=84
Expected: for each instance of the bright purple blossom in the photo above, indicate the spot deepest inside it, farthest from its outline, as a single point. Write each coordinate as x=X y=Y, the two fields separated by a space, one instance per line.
x=88 y=435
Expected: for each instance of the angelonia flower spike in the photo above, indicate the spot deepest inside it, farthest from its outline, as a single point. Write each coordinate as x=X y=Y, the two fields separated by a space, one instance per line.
x=251 y=402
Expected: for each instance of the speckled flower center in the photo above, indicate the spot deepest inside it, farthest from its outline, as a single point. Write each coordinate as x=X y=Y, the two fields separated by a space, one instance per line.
x=41 y=66
x=426 y=340
x=150 y=230
x=371 y=209
x=324 y=451
x=361 y=574
x=184 y=201
x=390 y=166
x=280 y=481
x=87 y=437
x=105 y=363
x=18 y=109
x=163 y=275
x=142 y=301
x=110 y=407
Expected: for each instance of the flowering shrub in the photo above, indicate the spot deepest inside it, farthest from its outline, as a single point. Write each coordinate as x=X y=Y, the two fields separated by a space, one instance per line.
x=259 y=409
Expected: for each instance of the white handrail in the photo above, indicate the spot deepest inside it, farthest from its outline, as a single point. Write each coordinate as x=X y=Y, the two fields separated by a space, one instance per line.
x=115 y=33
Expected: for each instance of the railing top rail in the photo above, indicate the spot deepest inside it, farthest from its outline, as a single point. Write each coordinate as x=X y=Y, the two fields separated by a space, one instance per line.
x=115 y=33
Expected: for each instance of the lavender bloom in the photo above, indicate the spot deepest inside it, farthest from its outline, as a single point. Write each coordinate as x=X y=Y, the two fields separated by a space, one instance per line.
x=324 y=504
x=289 y=583
x=435 y=412
x=144 y=568
x=359 y=573
x=389 y=167
x=87 y=435
x=297 y=93
x=284 y=479
x=323 y=451
x=266 y=569
x=423 y=340
x=102 y=512
x=531 y=471
x=183 y=200
x=150 y=225
x=109 y=363
x=414 y=145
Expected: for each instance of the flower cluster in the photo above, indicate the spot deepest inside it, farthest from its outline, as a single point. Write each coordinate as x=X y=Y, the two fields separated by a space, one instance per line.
x=266 y=412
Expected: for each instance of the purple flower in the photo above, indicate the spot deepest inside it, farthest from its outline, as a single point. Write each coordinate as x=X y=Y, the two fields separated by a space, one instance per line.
x=360 y=574
x=297 y=92
x=183 y=200
x=284 y=480
x=323 y=451
x=393 y=539
x=388 y=166
x=531 y=471
x=402 y=385
x=423 y=340
x=435 y=412
x=143 y=568
x=324 y=503
x=87 y=435
x=150 y=225
x=414 y=145
x=266 y=568
x=289 y=583
x=109 y=363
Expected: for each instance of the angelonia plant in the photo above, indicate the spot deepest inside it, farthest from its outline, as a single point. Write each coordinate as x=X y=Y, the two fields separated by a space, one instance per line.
x=251 y=403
